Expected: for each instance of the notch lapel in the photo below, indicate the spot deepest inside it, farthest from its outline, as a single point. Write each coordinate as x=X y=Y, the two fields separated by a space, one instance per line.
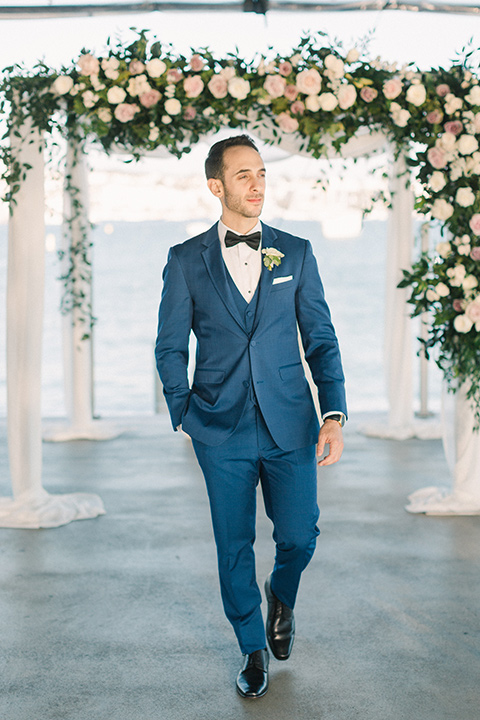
x=269 y=237
x=212 y=256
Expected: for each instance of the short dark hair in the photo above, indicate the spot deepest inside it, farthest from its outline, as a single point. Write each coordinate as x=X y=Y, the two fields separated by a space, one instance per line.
x=214 y=167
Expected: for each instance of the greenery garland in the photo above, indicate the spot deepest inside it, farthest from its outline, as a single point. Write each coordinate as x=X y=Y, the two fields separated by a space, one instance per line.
x=144 y=95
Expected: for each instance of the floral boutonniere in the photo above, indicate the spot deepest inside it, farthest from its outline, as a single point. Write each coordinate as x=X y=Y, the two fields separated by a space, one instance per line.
x=272 y=257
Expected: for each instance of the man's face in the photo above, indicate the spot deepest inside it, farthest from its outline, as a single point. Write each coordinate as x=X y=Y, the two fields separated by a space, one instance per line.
x=242 y=188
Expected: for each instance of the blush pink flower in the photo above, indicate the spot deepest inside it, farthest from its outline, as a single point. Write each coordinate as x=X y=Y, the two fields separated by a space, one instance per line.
x=218 y=86
x=150 y=98
x=475 y=224
x=197 y=63
x=126 y=112
x=442 y=90
x=189 y=113
x=475 y=253
x=136 y=67
x=309 y=81
x=436 y=157
x=285 y=68
x=287 y=123
x=193 y=86
x=291 y=92
x=473 y=311
x=458 y=305
x=453 y=126
x=174 y=75
x=275 y=85
x=392 y=88
x=88 y=64
x=346 y=96
x=434 y=117
x=297 y=107
x=368 y=93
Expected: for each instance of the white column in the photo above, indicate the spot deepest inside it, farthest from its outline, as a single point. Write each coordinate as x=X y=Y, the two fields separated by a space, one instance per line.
x=31 y=506
x=76 y=327
x=462 y=449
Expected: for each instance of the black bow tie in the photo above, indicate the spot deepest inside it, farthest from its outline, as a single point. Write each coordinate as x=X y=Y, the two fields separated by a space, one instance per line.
x=252 y=240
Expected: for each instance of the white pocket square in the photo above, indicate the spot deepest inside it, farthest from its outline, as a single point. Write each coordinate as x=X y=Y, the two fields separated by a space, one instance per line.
x=278 y=280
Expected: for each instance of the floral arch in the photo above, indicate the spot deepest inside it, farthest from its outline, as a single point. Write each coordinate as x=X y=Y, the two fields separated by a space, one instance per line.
x=320 y=100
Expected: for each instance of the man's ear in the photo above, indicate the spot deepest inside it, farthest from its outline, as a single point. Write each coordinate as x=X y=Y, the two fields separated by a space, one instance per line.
x=215 y=186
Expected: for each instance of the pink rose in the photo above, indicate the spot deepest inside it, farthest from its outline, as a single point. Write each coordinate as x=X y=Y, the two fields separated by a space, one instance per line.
x=275 y=85
x=88 y=64
x=392 y=88
x=368 y=93
x=174 y=75
x=291 y=92
x=436 y=157
x=150 y=98
x=458 y=305
x=475 y=224
x=136 y=67
x=196 y=63
x=434 y=117
x=475 y=253
x=297 y=107
x=189 y=113
x=286 y=122
x=285 y=68
x=346 y=96
x=193 y=86
x=126 y=112
x=218 y=86
x=443 y=90
x=453 y=126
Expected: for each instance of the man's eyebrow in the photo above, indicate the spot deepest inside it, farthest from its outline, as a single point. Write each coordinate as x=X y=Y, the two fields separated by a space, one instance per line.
x=249 y=170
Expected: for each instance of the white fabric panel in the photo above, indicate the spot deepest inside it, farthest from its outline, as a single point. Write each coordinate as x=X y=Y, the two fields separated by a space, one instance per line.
x=462 y=450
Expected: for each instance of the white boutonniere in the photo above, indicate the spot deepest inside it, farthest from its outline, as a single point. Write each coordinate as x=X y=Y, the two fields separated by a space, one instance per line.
x=272 y=257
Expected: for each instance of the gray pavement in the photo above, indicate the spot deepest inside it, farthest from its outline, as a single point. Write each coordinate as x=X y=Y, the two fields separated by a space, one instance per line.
x=119 y=618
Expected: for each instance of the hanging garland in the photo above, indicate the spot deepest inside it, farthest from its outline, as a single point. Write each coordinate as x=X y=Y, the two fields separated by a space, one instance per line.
x=144 y=95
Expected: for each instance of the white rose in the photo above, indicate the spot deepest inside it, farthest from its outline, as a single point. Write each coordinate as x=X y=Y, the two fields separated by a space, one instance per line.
x=473 y=96
x=467 y=144
x=431 y=295
x=238 y=88
x=462 y=324
x=444 y=249
x=416 y=94
x=452 y=103
x=441 y=209
x=352 y=56
x=334 y=67
x=446 y=141
x=465 y=197
x=173 y=106
x=437 y=181
x=116 y=95
x=442 y=289
x=62 y=85
x=470 y=282
x=155 y=67
x=328 y=101
x=312 y=103
x=346 y=96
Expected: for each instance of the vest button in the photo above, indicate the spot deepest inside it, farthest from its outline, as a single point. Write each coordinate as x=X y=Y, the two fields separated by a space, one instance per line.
x=253 y=343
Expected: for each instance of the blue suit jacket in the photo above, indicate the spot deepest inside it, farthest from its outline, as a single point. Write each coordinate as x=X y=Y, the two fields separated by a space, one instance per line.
x=197 y=296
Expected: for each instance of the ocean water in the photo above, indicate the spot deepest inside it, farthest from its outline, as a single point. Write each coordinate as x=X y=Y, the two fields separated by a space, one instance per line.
x=127 y=271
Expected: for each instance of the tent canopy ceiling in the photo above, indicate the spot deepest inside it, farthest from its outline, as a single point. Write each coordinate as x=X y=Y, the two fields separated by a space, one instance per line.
x=58 y=8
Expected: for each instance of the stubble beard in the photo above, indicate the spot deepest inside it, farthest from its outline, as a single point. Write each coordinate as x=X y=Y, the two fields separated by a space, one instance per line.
x=241 y=207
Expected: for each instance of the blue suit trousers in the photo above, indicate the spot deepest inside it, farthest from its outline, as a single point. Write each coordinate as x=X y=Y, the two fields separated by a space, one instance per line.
x=288 y=479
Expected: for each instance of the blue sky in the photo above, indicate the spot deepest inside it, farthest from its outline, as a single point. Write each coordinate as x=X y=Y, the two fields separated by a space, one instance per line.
x=428 y=39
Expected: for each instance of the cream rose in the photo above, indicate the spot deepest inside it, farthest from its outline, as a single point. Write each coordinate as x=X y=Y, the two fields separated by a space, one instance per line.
x=444 y=249
x=328 y=101
x=352 y=56
x=313 y=103
x=238 y=88
x=116 y=95
x=465 y=197
x=442 y=289
x=452 y=103
x=335 y=68
x=416 y=95
x=462 y=324
x=62 y=85
x=173 y=106
x=346 y=95
x=473 y=97
x=437 y=181
x=275 y=85
x=155 y=68
x=441 y=209
x=392 y=88
x=218 y=86
x=88 y=64
x=469 y=282
x=467 y=144
x=89 y=98
x=193 y=86
x=309 y=82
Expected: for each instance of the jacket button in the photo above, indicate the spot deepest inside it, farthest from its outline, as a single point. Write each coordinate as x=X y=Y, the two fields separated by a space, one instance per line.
x=253 y=343
x=246 y=383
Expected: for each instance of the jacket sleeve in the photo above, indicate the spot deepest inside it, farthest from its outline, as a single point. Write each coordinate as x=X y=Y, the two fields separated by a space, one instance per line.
x=318 y=337
x=171 y=349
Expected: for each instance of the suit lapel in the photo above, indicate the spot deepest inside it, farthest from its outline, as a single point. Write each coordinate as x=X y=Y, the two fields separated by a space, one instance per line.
x=269 y=237
x=212 y=256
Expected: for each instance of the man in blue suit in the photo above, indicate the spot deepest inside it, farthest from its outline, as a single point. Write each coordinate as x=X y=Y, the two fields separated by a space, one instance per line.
x=249 y=411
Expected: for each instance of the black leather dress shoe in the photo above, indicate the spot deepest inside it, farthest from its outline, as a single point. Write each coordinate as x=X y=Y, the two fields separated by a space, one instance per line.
x=252 y=680
x=280 y=625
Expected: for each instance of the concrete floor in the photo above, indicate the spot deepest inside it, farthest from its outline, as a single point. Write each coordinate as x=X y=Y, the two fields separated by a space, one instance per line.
x=119 y=618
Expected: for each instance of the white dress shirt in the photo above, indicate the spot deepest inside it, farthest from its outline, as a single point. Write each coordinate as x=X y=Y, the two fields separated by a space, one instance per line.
x=243 y=262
